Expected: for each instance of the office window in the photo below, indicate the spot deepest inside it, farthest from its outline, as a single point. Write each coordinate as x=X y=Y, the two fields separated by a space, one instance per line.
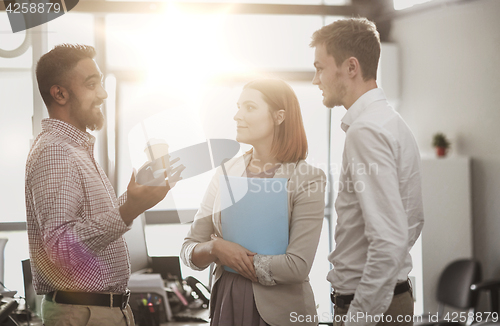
x=175 y=43
x=16 y=108
x=336 y=2
x=271 y=42
x=10 y=41
x=15 y=135
x=75 y=28
x=16 y=250
x=403 y=4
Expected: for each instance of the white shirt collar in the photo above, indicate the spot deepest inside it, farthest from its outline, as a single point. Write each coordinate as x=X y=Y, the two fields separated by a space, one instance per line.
x=360 y=105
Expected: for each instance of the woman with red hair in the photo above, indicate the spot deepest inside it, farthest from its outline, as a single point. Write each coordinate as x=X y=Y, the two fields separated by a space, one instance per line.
x=268 y=289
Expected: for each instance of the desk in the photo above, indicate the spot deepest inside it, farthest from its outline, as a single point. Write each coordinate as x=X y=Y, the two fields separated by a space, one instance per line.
x=183 y=323
x=36 y=321
x=200 y=313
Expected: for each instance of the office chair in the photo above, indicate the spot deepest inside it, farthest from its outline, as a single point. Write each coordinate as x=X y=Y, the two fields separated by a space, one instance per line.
x=493 y=287
x=454 y=290
x=458 y=287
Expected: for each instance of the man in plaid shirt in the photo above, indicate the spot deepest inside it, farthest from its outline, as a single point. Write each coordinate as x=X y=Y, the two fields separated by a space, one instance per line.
x=79 y=257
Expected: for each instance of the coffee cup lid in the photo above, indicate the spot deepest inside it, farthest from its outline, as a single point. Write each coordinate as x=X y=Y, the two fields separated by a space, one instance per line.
x=155 y=141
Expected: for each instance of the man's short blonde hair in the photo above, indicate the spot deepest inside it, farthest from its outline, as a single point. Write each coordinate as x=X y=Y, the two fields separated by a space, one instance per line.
x=353 y=37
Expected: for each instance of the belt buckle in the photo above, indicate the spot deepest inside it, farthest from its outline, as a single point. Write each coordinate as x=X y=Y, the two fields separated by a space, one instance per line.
x=336 y=300
x=125 y=299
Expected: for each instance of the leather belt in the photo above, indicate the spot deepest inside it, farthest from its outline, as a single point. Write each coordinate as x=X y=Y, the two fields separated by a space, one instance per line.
x=89 y=299
x=342 y=300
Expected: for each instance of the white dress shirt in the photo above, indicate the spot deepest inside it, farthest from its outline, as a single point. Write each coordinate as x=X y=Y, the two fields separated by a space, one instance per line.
x=379 y=206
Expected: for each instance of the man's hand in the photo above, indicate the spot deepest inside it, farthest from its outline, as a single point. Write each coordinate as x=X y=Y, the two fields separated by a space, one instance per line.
x=148 y=176
x=143 y=197
x=235 y=256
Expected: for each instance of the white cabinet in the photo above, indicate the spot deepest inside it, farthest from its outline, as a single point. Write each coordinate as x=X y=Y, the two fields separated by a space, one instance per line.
x=447 y=232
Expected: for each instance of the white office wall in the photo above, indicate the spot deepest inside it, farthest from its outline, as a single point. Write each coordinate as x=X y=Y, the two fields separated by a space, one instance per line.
x=450 y=80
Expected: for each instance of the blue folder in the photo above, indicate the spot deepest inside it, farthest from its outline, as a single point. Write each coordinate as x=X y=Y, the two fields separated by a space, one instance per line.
x=258 y=220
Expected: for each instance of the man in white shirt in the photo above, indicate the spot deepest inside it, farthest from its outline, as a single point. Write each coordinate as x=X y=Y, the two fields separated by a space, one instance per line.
x=379 y=204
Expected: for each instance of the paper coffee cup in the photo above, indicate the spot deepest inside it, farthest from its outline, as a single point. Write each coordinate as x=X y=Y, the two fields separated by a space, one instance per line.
x=156 y=148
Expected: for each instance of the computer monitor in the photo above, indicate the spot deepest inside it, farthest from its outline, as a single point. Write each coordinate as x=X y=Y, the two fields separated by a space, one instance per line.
x=33 y=301
x=136 y=242
x=3 y=242
x=169 y=267
x=29 y=291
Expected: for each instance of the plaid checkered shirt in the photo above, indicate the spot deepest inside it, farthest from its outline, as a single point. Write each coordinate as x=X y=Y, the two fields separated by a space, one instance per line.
x=75 y=229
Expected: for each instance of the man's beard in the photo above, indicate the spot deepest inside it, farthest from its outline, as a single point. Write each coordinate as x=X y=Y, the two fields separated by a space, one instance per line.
x=331 y=102
x=92 y=119
x=336 y=98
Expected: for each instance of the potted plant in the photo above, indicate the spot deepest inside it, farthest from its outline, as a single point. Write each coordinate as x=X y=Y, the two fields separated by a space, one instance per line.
x=441 y=143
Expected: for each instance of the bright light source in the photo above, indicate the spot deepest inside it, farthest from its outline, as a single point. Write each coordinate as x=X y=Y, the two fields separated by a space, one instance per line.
x=183 y=51
x=403 y=4
x=180 y=53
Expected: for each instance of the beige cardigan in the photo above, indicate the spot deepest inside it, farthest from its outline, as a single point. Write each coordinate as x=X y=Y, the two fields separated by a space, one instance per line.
x=292 y=295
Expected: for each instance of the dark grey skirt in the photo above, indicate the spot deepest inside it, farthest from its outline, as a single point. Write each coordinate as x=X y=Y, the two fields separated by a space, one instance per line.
x=234 y=304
